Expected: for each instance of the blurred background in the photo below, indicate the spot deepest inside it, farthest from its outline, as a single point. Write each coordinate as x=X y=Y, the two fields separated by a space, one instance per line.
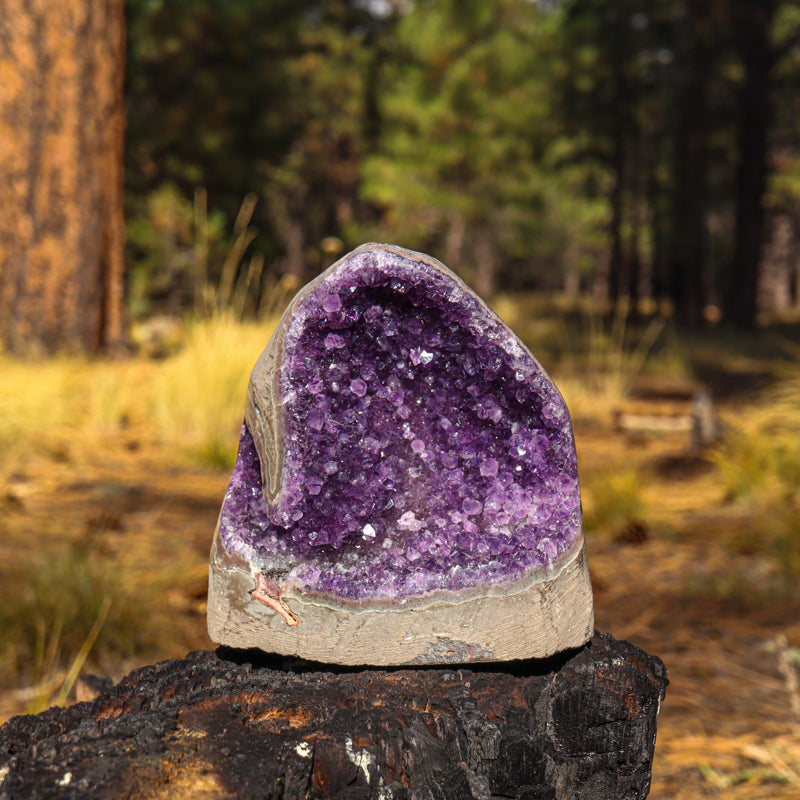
x=621 y=182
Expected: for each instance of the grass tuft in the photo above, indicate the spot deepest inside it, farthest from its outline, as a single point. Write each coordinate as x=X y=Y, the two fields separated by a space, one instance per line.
x=66 y=602
x=192 y=400
x=616 y=501
x=758 y=462
x=198 y=394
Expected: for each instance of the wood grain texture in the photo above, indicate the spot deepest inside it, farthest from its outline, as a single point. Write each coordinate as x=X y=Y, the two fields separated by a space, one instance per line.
x=220 y=725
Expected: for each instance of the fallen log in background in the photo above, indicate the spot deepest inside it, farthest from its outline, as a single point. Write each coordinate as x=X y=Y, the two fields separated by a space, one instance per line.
x=215 y=726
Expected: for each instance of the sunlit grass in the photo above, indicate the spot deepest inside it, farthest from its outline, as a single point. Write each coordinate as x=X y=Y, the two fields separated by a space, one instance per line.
x=37 y=398
x=51 y=408
x=198 y=395
x=616 y=500
x=758 y=465
x=194 y=399
x=759 y=459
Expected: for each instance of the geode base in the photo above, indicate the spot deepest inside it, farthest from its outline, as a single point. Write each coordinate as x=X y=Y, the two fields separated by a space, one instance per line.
x=501 y=622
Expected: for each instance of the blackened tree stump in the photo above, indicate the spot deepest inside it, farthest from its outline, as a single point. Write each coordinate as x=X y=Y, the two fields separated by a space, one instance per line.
x=214 y=726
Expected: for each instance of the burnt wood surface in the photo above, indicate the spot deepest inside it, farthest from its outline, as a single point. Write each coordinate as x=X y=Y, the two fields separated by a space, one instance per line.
x=229 y=724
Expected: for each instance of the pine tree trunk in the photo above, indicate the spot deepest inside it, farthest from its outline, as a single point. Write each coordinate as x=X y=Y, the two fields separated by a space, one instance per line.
x=658 y=281
x=485 y=262
x=635 y=225
x=454 y=240
x=615 y=266
x=794 y=266
x=61 y=175
x=755 y=24
x=688 y=246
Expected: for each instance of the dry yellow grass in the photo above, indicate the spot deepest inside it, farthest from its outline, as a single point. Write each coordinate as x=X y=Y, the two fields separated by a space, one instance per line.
x=197 y=396
x=74 y=434
x=194 y=399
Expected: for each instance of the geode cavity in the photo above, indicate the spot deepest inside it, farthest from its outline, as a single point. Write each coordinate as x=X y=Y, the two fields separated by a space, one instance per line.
x=406 y=487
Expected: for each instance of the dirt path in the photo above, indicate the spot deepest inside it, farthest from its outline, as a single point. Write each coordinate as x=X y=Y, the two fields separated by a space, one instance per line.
x=730 y=723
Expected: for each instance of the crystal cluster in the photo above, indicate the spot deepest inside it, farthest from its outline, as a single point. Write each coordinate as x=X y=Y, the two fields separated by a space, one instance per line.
x=425 y=449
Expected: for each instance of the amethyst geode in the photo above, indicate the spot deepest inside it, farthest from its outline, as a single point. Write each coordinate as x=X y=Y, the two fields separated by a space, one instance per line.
x=401 y=448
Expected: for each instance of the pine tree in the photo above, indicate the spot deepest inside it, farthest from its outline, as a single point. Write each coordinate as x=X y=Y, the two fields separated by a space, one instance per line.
x=61 y=180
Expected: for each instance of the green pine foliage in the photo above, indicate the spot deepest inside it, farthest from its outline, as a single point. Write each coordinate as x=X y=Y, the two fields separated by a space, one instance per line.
x=528 y=144
x=471 y=164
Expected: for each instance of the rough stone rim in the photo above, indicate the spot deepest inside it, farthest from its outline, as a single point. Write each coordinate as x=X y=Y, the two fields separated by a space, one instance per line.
x=501 y=623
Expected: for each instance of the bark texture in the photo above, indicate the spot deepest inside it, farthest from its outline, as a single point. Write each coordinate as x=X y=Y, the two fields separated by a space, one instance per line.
x=218 y=725
x=61 y=174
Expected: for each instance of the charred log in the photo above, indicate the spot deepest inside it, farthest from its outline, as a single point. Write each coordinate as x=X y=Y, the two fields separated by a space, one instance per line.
x=226 y=725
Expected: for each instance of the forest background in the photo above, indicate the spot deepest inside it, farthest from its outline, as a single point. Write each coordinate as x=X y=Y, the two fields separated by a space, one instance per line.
x=645 y=149
x=620 y=179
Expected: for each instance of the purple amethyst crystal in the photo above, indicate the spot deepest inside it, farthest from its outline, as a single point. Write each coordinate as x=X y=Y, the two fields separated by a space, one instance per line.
x=419 y=447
